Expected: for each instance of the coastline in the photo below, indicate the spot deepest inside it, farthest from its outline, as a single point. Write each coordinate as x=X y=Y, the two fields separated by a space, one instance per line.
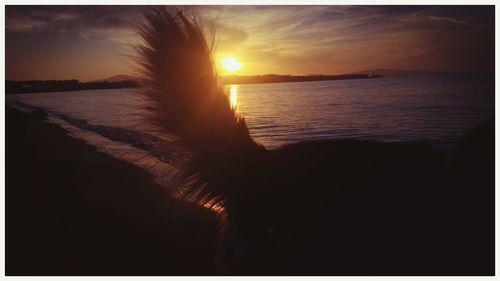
x=72 y=210
x=43 y=86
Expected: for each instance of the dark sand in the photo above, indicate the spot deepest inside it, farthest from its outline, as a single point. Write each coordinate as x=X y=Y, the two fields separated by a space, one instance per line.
x=71 y=210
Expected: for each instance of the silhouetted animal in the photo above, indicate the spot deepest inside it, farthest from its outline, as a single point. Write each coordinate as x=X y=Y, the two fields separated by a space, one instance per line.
x=330 y=207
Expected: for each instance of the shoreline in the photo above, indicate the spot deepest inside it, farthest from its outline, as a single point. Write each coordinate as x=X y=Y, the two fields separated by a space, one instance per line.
x=20 y=88
x=72 y=210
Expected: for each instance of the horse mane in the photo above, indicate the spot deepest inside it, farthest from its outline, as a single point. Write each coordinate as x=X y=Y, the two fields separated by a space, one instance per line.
x=185 y=98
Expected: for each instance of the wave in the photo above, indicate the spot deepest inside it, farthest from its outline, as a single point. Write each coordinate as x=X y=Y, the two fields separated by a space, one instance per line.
x=163 y=147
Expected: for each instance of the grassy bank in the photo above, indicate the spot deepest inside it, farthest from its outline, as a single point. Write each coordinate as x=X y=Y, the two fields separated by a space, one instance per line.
x=71 y=210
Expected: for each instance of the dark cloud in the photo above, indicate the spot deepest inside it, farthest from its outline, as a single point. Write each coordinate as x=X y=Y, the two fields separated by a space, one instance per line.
x=87 y=21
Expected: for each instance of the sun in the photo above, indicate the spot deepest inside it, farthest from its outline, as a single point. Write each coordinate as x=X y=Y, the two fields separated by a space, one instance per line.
x=231 y=64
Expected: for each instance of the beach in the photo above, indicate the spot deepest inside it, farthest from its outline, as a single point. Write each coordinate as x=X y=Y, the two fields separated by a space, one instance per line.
x=71 y=210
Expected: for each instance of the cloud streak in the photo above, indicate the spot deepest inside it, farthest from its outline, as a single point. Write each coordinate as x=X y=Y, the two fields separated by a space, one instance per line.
x=282 y=39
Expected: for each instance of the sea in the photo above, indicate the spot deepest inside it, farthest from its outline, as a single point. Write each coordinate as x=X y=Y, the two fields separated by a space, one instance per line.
x=438 y=109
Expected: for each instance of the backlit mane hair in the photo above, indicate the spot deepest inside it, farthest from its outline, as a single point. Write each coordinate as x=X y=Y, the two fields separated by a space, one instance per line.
x=181 y=84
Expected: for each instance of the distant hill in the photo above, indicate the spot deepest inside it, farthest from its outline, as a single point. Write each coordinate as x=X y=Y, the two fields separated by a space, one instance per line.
x=40 y=86
x=276 y=78
x=254 y=79
x=399 y=72
x=115 y=78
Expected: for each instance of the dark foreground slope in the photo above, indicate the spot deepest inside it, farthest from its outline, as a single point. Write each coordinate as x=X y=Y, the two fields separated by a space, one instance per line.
x=71 y=210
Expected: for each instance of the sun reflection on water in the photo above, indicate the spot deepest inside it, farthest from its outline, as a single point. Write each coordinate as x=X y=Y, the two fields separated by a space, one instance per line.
x=233 y=97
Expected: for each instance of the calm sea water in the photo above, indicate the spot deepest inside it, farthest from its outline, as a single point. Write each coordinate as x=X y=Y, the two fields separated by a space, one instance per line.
x=434 y=108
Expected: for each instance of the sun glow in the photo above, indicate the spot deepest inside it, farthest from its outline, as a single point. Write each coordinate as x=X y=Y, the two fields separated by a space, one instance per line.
x=231 y=64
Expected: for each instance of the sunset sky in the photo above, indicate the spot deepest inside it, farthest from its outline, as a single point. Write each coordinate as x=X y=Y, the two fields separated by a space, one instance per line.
x=93 y=42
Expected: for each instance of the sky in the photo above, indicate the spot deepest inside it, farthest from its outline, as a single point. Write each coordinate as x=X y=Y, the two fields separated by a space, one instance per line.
x=94 y=42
